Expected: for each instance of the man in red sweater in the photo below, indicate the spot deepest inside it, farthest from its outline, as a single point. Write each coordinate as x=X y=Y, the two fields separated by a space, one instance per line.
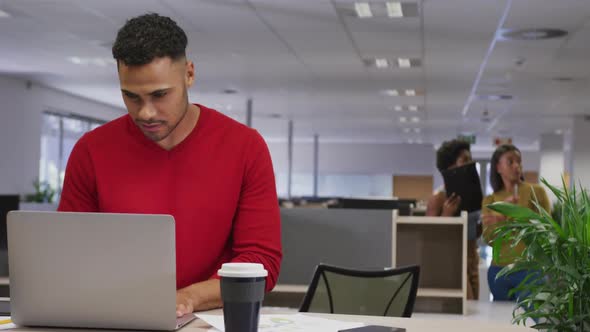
x=213 y=174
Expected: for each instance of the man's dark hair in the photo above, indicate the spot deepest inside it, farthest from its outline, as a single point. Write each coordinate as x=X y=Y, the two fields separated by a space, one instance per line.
x=448 y=153
x=146 y=37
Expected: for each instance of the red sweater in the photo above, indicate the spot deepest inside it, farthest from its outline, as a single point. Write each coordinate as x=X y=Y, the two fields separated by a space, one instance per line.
x=218 y=184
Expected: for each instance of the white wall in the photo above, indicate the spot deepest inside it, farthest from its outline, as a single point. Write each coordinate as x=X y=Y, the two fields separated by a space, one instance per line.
x=580 y=153
x=359 y=158
x=374 y=158
x=20 y=128
x=552 y=163
x=568 y=138
x=531 y=159
x=343 y=158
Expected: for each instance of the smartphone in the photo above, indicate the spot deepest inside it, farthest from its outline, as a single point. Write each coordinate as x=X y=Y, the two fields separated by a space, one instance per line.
x=374 y=328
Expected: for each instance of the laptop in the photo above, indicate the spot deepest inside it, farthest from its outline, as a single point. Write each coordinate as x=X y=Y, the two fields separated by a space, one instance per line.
x=93 y=270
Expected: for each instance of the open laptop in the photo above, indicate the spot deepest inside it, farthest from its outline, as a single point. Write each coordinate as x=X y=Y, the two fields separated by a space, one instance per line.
x=93 y=270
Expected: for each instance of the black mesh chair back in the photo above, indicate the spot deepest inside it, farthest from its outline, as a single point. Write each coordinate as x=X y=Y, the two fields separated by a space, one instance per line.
x=336 y=290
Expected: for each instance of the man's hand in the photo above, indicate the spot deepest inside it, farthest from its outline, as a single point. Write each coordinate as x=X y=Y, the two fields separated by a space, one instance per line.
x=451 y=205
x=184 y=302
x=201 y=296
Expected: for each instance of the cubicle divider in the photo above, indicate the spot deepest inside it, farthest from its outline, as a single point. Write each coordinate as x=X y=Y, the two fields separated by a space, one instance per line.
x=374 y=239
x=352 y=238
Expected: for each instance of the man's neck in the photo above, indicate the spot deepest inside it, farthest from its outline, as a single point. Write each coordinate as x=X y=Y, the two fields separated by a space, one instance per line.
x=185 y=127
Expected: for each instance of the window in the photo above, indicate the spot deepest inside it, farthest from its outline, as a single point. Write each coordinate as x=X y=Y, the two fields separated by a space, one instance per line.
x=301 y=184
x=336 y=185
x=355 y=185
x=59 y=134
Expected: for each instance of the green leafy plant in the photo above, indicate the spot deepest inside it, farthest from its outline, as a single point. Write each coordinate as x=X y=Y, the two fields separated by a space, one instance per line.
x=557 y=253
x=43 y=193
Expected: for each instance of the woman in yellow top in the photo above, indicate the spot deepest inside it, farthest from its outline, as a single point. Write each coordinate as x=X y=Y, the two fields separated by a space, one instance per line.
x=506 y=179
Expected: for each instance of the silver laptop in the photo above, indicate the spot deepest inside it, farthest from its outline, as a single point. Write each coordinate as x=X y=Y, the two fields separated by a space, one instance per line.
x=93 y=270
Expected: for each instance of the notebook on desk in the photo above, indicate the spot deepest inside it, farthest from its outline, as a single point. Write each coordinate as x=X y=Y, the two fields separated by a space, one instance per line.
x=91 y=270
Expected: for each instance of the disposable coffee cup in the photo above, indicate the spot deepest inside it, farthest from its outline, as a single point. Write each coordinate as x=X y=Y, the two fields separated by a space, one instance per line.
x=242 y=292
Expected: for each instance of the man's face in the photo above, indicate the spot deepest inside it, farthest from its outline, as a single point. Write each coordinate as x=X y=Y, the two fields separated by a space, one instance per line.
x=155 y=95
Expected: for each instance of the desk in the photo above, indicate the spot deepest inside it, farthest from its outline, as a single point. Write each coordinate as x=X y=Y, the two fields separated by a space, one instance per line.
x=481 y=316
x=410 y=324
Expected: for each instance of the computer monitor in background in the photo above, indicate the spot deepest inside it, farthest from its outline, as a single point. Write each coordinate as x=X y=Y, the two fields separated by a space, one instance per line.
x=7 y=203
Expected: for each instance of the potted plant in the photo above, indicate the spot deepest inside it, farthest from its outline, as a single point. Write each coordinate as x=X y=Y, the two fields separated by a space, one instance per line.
x=41 y=199
x=43 y=193
x=558 y=255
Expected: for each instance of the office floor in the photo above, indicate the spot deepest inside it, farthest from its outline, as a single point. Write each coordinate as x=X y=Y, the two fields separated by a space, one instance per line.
x=497 y=312
x=483 y=309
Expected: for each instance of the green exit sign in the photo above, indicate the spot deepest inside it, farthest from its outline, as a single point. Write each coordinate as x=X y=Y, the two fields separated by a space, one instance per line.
x=467 y=138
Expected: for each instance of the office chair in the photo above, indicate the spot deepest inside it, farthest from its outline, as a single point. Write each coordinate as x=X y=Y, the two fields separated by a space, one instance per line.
x=336 y=290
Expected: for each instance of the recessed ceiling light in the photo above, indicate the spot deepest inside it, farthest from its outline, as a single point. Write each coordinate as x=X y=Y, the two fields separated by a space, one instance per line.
x=394 y=9
x=391 y=92
x=404 y=62
x=532 y=34
x=381 y=63
x=403 y=119
x=373 y=9
x=559 y=132
x=230 y=91
x=494 y=97
x=563 y=79
x=75 y=60
x=398 y=108
x=415 y=119
x=417 y=130
x=101 y=62
x=363 y=9
x=4 y=14
x=413 y=108
x=406 y=130
x=410 y=92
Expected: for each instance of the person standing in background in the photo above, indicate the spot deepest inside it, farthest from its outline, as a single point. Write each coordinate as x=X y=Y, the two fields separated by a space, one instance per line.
x=452 y=154
x=506 y=178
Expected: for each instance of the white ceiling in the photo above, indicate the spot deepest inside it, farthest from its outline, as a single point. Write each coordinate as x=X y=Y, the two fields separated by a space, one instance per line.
x=303 y=60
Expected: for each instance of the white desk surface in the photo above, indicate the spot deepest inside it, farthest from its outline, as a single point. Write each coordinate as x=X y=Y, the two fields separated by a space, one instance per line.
x=481 y=317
